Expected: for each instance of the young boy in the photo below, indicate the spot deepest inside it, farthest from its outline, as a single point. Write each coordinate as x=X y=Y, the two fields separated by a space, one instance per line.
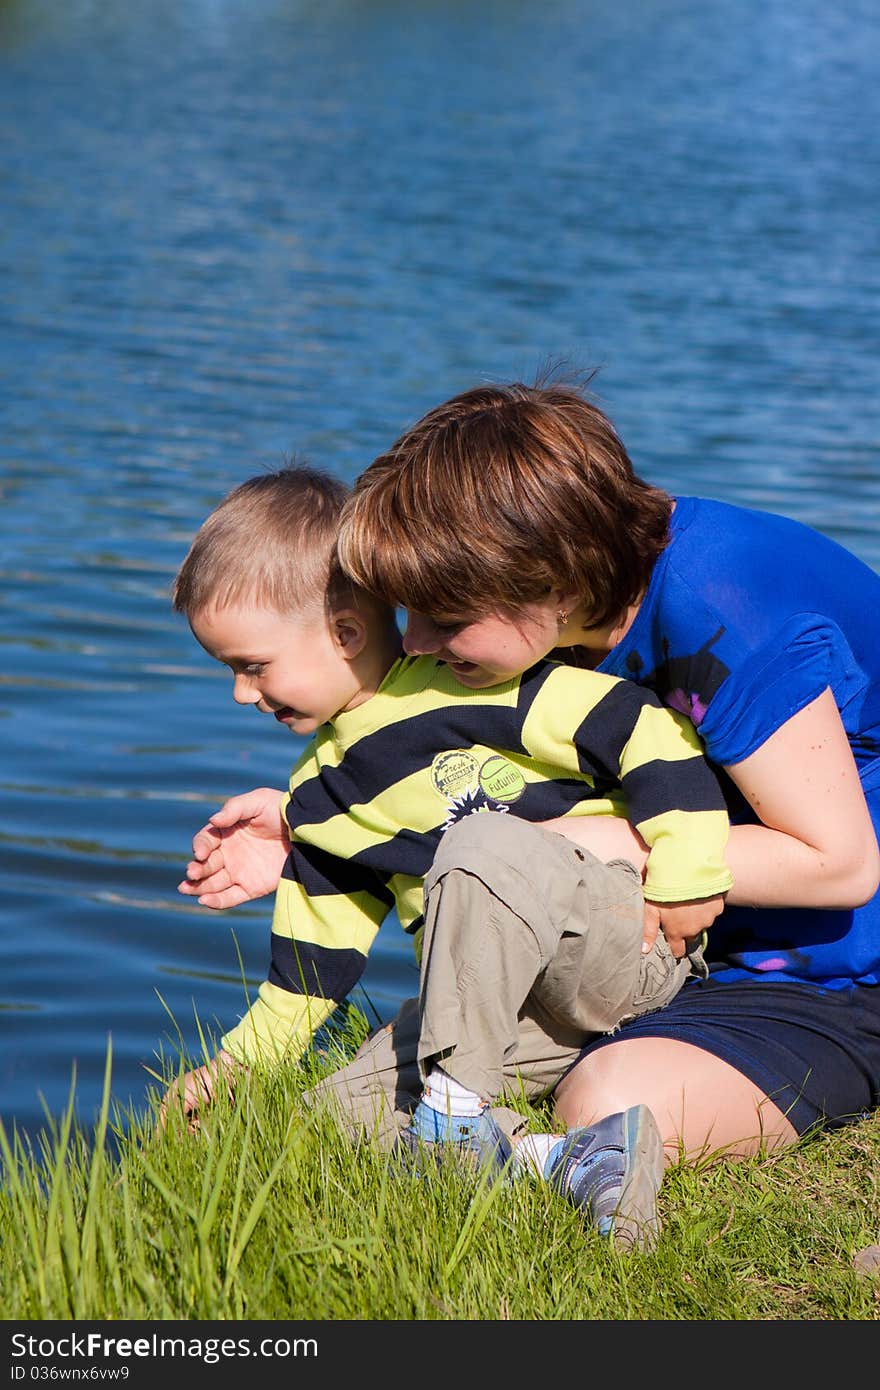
x=527 y=943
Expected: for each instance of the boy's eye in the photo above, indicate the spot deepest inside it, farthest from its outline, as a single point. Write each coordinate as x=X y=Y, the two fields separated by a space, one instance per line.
x=447 y=627
x=255 y=668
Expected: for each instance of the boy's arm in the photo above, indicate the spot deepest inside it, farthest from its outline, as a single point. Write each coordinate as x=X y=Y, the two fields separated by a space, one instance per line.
x=676 y=805
x=192 y=1093
x=675 y=802
x=327 y=913
x=683 y=924
x=647 y=765
x=240 y=853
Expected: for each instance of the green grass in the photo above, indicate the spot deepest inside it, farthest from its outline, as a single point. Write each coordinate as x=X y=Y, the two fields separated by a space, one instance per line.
x=267 y=1213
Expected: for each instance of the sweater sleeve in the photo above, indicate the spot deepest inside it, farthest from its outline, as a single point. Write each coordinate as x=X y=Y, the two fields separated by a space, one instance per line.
x=643 y=761
x=672 y=795
x=327 y=913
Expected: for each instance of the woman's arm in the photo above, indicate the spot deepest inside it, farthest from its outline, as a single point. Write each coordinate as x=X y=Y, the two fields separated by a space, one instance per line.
x=816 y=846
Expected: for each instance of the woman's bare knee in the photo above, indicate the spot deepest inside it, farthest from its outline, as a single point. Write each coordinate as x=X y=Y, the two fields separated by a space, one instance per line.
x=704 y=1107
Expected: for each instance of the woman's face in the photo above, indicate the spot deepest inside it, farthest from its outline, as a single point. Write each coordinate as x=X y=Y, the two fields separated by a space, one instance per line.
x=487 y=651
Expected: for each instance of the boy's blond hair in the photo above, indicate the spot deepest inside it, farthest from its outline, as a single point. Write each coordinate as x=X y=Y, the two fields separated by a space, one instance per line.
x=498 y=496
x=271 y=541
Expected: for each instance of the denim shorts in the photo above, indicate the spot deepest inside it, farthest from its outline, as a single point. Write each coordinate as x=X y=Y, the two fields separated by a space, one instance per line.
x=815 y=1052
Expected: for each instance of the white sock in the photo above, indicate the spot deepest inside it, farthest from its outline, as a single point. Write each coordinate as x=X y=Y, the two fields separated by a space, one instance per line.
x=444 y=1094
x=534 y=1150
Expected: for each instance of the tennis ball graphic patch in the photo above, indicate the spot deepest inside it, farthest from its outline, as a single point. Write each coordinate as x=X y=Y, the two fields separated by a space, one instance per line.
x=501 y=780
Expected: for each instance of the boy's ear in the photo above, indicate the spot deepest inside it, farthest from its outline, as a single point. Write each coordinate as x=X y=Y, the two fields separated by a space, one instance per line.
x=348 y=629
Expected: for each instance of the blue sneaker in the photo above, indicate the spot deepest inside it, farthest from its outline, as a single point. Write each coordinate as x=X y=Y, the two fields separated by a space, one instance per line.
x=612 y=1170
x=473 y=1141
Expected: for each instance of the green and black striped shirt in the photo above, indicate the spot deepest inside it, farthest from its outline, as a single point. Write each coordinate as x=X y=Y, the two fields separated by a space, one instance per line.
x=376 y=788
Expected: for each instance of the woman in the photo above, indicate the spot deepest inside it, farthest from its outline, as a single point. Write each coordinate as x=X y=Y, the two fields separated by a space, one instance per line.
x=510 y=523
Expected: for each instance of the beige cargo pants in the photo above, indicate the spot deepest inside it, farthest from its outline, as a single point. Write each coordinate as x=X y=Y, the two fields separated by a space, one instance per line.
x=530 y=946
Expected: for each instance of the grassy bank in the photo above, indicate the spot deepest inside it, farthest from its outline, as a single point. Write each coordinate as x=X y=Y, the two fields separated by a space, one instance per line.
x=268 y=1214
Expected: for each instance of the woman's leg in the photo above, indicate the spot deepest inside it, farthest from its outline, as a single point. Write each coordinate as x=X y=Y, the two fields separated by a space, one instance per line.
x=702 y=1105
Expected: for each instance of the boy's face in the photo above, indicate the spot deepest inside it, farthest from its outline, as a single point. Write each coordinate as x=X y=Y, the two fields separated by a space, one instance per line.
x=293 y=668
x=486 y=651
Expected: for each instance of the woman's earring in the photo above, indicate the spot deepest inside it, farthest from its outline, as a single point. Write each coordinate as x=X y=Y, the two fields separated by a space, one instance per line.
x=562 y=618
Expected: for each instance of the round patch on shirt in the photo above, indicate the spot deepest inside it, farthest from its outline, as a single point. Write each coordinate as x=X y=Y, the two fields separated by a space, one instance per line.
x=501 y=780
x=454 y=772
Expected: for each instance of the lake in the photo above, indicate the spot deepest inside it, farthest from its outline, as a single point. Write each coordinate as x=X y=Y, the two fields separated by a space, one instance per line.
x=239 y=231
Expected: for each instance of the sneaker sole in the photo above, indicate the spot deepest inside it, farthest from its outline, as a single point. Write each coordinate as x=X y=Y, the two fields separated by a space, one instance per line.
x=635 y=1224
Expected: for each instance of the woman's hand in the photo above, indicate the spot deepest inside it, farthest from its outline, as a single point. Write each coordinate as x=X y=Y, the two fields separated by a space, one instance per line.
x=241 y=851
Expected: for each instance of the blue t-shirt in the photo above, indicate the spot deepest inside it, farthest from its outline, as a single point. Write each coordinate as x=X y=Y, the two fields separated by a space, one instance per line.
x=747 y=618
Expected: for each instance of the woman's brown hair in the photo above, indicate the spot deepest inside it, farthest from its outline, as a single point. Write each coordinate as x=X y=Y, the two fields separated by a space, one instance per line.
x=498 y=496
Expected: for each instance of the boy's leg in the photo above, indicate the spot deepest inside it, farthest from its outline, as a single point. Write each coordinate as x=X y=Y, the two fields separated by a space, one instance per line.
x=518 y=919
x=374 y=1094
x=530 y=945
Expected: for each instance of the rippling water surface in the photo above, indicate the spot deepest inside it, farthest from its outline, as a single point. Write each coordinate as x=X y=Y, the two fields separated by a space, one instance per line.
x=236 y=230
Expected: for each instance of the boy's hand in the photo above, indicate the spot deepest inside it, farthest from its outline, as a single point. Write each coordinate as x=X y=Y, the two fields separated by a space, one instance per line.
x=240 y=853
x=681 y=923
x=195 y=1091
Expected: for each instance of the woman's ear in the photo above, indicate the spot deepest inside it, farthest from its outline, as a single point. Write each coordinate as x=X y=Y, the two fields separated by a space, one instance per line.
x=565 y=600
x=349 y=631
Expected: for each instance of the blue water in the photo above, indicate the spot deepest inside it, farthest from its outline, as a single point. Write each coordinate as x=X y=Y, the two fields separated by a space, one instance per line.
x=236 y=230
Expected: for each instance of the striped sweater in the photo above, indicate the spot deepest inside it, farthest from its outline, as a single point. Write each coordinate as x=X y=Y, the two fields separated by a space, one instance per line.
x=376 y=788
